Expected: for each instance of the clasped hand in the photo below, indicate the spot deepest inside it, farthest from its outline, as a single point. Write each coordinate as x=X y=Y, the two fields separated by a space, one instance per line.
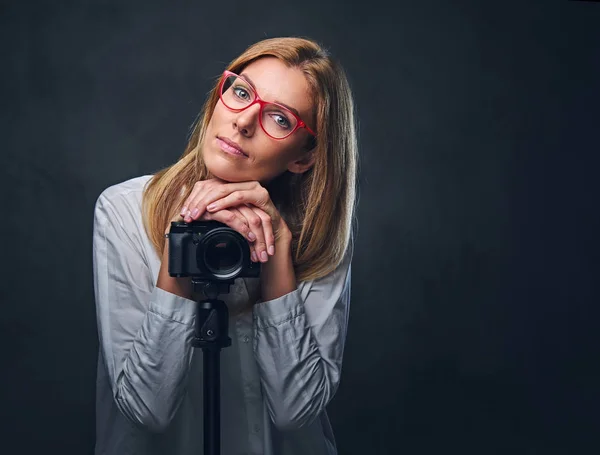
x=245 y=207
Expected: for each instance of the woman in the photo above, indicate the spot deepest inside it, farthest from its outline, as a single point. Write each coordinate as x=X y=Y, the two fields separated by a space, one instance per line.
x=284 y=176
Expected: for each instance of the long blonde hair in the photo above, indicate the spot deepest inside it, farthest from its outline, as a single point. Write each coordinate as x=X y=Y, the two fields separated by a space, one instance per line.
x=317 y=205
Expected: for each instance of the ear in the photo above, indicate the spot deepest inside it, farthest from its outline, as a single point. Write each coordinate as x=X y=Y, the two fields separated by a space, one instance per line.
x=302 y=164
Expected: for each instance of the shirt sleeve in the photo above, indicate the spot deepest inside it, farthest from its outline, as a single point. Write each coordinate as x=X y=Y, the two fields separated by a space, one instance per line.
x=298 y=344
x=144 y=332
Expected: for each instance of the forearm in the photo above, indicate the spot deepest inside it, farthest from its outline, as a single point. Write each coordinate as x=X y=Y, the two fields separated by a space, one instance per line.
x=299 y=343
x=297 y=380
x=153 y=380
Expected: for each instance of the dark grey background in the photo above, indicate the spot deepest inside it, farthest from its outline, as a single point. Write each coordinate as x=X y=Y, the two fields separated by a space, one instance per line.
x=474 y=321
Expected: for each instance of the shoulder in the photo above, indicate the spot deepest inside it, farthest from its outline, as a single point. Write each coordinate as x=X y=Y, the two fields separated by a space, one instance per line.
x=118 y=219
x=123 y=195
x=121 y=203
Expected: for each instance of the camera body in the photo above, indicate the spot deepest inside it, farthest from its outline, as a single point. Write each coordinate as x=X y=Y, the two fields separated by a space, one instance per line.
x=209 y=251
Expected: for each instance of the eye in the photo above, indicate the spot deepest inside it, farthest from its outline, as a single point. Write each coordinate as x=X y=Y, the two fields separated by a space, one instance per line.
x=281 y=120
x=241 y=93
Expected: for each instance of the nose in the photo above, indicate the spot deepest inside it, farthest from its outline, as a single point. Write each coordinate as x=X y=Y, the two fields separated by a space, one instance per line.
x=246 y=121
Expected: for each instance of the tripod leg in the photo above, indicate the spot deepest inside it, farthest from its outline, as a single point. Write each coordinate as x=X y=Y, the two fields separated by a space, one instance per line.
x=212 y=394
x=212 y=323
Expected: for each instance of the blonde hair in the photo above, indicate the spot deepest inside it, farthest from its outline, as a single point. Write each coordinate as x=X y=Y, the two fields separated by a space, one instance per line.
x=317 y=205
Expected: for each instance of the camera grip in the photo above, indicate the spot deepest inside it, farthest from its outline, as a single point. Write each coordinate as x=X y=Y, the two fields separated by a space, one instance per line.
x=176 y=252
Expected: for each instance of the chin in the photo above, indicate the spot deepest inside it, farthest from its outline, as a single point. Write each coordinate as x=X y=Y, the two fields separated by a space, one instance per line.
x=232 y=171
x=226 y=176
x=224 y=170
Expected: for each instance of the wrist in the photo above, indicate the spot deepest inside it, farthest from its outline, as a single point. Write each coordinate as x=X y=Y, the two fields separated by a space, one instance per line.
x=283 y=236
x=283 y=244
x=277 y=275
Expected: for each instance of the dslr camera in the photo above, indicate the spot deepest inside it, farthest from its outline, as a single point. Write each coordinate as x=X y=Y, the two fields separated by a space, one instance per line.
x=209 y=251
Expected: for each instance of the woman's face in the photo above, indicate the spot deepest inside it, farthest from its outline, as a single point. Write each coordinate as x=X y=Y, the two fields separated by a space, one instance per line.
x=263 y=158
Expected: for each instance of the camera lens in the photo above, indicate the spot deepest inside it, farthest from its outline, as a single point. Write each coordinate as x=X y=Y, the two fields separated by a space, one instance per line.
x=223 y=255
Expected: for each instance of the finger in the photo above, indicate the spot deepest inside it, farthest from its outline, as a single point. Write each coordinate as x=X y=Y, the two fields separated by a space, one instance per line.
x=198 y=189
x=267 y=227
x=220 y=191
x=230 y=219
x=188 y=199
x=253 y=253
x=256 y=225
x=251 y=236
x=200 y=200
x=258 y=197
x=212 y=190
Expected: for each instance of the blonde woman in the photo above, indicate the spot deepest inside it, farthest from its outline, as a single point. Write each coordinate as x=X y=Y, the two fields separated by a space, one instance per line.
x=274 y=156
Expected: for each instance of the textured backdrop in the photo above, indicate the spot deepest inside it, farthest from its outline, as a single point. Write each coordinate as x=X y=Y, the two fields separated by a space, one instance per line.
x=472 y=326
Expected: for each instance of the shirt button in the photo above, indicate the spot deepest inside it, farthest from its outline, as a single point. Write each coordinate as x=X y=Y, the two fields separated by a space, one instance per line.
x=256 y=428
x=246 y=339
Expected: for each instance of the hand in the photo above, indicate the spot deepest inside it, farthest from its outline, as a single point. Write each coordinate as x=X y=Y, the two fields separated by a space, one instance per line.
x=255 y=217
x=232 y=218
x=227 y=217
x=247 y=200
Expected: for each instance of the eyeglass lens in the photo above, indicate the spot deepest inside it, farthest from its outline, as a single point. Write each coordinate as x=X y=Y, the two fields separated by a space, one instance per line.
x=277 y=121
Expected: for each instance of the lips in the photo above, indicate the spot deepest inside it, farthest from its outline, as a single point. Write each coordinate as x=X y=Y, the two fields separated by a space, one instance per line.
x=231 y=147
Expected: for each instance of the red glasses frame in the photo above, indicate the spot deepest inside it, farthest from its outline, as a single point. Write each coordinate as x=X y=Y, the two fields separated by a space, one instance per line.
x=262 y=103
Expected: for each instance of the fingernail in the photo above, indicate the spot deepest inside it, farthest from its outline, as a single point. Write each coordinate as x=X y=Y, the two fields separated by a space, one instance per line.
x=254 y=258
x=211 y=207
x=271 y=250
x=195 y=213
x=263 y=256
x=251 y=236
x=183 y=211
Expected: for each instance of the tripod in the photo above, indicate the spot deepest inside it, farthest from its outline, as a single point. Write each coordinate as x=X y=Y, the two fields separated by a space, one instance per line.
x=211 y=334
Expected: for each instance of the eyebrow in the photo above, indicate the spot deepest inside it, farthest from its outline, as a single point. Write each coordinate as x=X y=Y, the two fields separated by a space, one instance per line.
x=245 y=76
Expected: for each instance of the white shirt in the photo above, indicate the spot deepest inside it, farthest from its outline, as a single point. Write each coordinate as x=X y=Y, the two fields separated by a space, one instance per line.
x=281 y=370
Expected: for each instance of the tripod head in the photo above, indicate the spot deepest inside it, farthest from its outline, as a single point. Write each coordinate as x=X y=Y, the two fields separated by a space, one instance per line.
x=212 y=315
x=211 y=288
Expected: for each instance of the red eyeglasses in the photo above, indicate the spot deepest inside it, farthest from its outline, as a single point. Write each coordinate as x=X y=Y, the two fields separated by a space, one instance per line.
x=276 y=120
